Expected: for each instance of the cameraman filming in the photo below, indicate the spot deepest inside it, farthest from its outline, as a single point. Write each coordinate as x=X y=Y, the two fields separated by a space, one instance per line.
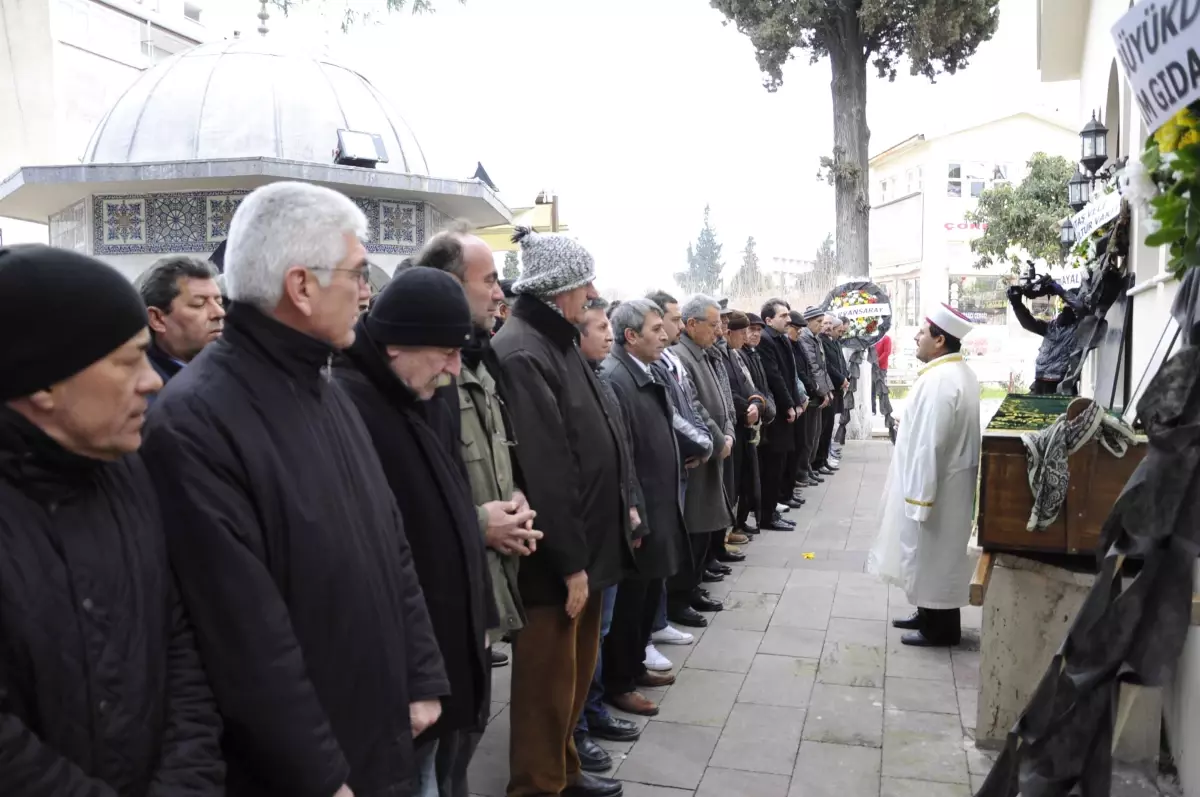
x=1054 y=356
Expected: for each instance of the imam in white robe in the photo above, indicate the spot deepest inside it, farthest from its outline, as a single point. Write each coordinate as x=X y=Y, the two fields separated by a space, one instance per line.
x=929 y=500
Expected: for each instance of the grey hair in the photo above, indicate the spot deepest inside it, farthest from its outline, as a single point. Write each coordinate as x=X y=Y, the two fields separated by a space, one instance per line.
x=159 y=285
x=284 y=225
x=599 y=303
x=698 y=306
x=444 y=251
x=632 y=315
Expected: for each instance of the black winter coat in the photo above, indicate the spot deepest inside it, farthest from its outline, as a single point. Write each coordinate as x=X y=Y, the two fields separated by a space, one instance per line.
x=294 y=565
x=647 y=410
x=758 y=374
x=835 y=362
x=102 y=692
x=418 y=445
x=780 y=366
x=804 y=372
x=568 y=447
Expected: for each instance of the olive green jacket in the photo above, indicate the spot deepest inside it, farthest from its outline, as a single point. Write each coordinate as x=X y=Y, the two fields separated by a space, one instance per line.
x=486 y=452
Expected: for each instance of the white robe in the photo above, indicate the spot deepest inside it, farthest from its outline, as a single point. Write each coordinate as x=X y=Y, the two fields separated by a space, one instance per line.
x=929 y=500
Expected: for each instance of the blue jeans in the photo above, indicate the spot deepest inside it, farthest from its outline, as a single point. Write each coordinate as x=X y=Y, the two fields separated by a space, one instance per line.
x=660 y=619
x=594 y=708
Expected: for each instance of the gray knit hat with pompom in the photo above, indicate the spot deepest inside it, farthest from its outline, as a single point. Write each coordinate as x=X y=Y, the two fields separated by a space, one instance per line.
x=551 y=264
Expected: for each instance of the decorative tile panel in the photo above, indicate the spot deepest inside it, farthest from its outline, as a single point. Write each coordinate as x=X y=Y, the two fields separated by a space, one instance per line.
x=176 y=223
x=69 y=228
x=197 y=221
x=220 y=214
x=398 y=223
x=123 y=221
x=438 y=220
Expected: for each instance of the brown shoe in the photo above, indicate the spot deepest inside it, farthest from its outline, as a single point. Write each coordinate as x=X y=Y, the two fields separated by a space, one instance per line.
x=634 y=703
x=655 y=679
x=737 y=538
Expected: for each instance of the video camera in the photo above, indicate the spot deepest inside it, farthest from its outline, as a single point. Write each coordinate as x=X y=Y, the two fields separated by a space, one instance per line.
x=1032 y=284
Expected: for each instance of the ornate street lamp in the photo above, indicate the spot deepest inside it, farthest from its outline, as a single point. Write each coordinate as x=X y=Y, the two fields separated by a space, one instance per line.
x=1094 y=141
x=1066 y=237
x=1079 y=189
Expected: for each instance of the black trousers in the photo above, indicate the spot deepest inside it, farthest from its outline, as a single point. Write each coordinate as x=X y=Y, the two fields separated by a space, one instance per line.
x=748 y=488
x=772 y=470
x=941 y=626
x=812 y=422
x=682 y=585
x=828 y=420
x=632 y=622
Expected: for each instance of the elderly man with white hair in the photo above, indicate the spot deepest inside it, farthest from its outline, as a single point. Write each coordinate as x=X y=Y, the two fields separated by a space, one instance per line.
x=283 y=531
x=708 y=510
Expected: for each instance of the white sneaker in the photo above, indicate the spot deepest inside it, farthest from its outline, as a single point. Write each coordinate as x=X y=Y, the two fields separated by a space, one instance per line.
x=782 y=508
x=671 y=636
x=656 y=661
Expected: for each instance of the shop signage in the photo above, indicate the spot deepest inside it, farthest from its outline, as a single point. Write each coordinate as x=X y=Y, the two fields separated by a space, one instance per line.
x=966 y=225
x=1096 y=214
x=1071 y=278
x=1158 y=44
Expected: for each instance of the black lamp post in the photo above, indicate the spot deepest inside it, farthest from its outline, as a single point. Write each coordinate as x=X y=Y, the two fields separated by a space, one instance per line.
x=1079 y=189
x=1066 y=237
x=1094 y=145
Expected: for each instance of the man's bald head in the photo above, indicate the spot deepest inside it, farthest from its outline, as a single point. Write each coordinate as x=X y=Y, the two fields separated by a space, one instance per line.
x=468 y=258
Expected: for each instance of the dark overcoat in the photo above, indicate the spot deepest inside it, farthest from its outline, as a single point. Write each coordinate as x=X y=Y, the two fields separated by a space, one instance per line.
x=707 y=506
x=647 y=410
x=293 y=562
x=780 y=368
x=569 y=452
x=102 y=692
x=420 y=452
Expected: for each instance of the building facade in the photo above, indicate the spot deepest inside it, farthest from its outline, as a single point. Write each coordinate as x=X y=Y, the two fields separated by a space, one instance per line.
x=1075 y=43
x=920 y=247
x=64 y=63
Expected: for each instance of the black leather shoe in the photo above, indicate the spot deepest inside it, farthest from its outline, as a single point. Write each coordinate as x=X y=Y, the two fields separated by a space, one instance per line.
x=730 y=556
x=793 y=503
x=688 y=617
x=613 y=729
x=918 y=640
x=826 y=470
x=814 y=479
x=778 y=525
x=592 y=757
x=748 y=529
x=498 y=658
x=782 y=521
x=710 y=577
x=912 y=623
x=703 y=603
x=716 y=567
x=589 y=785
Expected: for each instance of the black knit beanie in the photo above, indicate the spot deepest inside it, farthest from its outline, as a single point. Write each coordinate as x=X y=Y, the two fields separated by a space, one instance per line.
x=421 y=307
x=60 y=311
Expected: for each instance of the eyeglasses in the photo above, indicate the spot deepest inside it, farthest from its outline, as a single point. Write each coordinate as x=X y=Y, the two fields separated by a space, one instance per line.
x=363 y=275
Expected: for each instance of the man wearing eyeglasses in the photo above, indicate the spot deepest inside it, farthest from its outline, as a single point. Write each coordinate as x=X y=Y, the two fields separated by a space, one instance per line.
x=289 y=548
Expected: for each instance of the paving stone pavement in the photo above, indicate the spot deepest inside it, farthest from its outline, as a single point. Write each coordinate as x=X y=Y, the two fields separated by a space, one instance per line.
x=800 y=687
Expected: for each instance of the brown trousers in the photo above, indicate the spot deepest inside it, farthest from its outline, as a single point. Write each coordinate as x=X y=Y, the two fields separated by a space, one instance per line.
x=553 y=661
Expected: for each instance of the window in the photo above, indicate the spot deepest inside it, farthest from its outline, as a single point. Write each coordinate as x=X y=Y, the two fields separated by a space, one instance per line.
x=1000 y=174
x=954 y=180
x=883 y=191
x=913 y=179
x=912 y=302
x=977 y=176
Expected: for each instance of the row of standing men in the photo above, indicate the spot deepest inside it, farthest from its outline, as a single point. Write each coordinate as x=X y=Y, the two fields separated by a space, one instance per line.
x=286 y=578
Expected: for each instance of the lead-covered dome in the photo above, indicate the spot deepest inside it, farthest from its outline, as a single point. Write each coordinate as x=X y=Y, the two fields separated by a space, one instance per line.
x=246 y=98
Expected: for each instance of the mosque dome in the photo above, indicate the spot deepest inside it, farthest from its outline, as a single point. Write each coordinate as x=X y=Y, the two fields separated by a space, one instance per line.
x=247 y=98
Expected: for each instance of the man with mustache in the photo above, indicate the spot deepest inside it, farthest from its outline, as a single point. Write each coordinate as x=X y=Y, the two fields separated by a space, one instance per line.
x=183 y=301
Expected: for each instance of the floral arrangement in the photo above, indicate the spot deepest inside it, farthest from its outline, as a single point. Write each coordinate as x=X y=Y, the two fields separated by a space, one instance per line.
x=864 y=328
x=1166 y=179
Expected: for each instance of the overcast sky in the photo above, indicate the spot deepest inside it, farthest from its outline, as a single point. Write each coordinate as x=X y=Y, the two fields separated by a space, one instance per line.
x=640 y=112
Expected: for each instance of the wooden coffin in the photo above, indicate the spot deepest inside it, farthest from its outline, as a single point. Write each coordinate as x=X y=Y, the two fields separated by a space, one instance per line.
x=1005 y=499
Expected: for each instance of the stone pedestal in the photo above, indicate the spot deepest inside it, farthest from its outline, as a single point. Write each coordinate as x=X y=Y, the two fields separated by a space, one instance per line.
x=860 y=424
x=1026 y=613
